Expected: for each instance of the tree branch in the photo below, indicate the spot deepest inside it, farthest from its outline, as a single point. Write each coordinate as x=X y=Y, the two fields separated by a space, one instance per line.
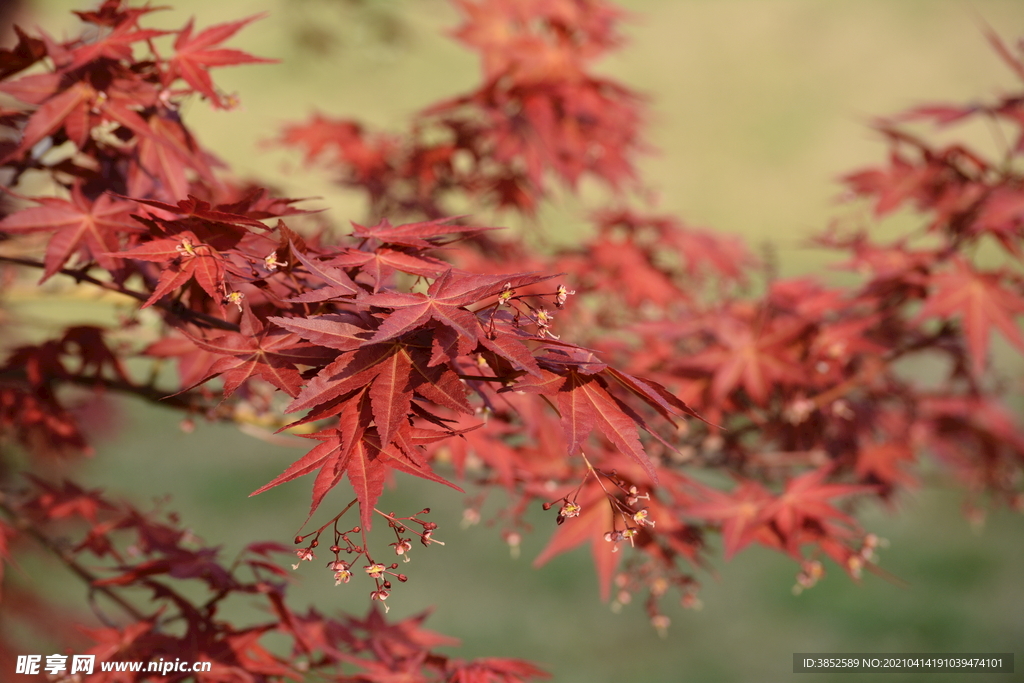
x=23 y=524
x=201 y=319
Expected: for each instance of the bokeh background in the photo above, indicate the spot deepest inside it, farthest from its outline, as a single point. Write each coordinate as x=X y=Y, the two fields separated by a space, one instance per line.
x=757 y=107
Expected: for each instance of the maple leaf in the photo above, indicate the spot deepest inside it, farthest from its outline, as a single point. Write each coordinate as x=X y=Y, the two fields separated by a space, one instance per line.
x=423 y=235
x=496 y=670
x=356 y=450
x=382 y=262
x=339 y=284
x=393 y=371
x=881 y=461
x=194 y=56
x=185 y=257
x=740 y=513
x=585 y=404
x=256 y=351
x=805 y=499
x=444 y=302
x=594 y=521
x=894 y=185
x=90 y=229
x=74 y=101
x=342 y=331
x=193 y=207
x=27 y=52
x=748 y=358
x=399 y=639
x=982 y=301
x=115 y=45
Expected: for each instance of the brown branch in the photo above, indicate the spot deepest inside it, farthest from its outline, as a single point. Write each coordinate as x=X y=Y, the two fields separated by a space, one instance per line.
x=190 y=401
x=174 y=308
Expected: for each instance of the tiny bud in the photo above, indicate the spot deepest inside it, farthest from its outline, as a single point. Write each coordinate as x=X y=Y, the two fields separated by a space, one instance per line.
x=298 y=540
x=335 y=549
x=403 y=578
x=425 y=511
x=394 y=565
x=314 y=544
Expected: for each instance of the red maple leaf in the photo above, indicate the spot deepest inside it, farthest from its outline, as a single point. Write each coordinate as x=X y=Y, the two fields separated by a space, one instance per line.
x=355 y=449
x=748 y=357
x=90 y=229
x=194 y=56
x=444 y=302
x=185 y=257
x=256 y=351
x=595 y=520
x=881 y=461
x=982 y=301
x=422 y=235
x=584 y=403
x=740 y=513
x=805 y=500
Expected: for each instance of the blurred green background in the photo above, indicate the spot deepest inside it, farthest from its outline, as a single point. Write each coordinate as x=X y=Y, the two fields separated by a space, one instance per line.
x=757 y=106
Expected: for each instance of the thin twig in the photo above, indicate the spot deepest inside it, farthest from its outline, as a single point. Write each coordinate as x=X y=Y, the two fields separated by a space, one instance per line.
x=176 y=309
x=23 y=524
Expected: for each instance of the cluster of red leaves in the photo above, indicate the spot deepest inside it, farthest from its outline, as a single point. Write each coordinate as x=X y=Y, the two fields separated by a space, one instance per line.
x=115 y=547
x=400 y=356
x=538 y=113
